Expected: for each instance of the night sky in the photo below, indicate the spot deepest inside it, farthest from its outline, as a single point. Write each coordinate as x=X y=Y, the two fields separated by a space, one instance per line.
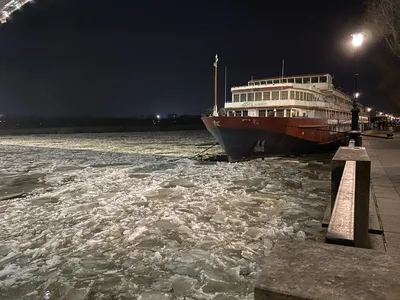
x=129 y=58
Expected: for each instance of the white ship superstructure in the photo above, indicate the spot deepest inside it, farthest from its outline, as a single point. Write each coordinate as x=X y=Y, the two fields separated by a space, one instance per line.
x=312 y=96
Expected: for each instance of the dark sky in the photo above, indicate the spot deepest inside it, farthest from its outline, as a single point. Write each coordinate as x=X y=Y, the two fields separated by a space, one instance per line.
x=127 y=58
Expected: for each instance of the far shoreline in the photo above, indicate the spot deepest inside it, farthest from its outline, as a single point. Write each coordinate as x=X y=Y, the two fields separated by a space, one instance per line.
x=101 y=129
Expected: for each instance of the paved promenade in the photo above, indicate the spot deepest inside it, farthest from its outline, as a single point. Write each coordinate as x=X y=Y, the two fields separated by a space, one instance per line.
x=385 y=178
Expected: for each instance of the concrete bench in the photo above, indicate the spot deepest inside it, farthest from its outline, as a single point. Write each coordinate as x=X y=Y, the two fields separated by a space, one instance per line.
x=309 y=270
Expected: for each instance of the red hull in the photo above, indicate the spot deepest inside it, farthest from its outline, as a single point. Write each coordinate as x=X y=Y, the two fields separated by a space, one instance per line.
x=247 y=137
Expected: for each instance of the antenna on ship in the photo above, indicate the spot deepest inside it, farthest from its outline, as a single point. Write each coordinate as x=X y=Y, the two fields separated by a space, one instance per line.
x=225 y=80
x=283 y=69
x=215 y=112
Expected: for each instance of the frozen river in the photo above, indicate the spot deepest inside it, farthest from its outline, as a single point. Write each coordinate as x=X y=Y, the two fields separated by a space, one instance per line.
x=131 y=216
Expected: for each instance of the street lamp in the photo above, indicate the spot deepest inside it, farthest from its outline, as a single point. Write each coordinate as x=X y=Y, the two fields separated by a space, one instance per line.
x=355 y=134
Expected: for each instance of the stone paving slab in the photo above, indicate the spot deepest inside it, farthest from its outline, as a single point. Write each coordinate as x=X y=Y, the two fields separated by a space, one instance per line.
x=393 y=242
x=377 y=242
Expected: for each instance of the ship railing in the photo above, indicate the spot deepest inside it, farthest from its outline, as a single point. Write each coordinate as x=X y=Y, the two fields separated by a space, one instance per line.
x=350 y=192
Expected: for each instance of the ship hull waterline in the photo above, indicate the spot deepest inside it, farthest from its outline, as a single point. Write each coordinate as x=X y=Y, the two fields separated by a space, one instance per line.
x=245 y=138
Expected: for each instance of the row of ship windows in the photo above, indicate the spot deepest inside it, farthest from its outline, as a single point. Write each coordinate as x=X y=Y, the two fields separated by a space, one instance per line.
x=274 y=95
x=281 y=113
x=265 y=113
x=300 y=80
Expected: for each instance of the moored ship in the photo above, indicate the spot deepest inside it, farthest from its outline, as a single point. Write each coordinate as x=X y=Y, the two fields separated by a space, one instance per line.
x=282 y=116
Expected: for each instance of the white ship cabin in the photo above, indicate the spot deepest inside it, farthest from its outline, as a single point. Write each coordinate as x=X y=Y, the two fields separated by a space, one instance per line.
x=312 y=96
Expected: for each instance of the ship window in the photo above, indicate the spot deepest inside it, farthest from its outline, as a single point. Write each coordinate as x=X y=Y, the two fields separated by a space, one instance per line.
x=244 y=113
x=299 y=80
x=267 y=96
x=322 y=79
x=292 y=94
x=280 y=112
x=250 y=97
x=284 y=95
x=314 y=79
x=263 y=82
x=291 y=80
x=288 y=113
x=297 y=95
x=242 y=97
x=301 y=96
x=276 y=81
x=269 y=81
x=258 y=96
x=238 y=113
x=261 y=113
x=270 y=113
x=230 y=113
x=275 y=95
x=257 y=83
x=251 y=83
x=306 y=80
x=236 y=98
x=284 y=80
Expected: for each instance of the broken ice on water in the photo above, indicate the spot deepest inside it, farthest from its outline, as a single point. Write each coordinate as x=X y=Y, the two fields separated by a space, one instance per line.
x=131 y=216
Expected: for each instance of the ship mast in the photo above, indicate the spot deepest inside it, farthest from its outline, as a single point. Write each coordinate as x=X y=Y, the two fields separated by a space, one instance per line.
x=215 y=111
x=225 y=80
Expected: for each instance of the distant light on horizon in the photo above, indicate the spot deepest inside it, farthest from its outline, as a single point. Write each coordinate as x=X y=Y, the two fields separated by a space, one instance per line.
x=158 y=117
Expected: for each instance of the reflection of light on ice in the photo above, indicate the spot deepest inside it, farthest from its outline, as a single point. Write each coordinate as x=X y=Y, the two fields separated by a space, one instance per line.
x=110 y=209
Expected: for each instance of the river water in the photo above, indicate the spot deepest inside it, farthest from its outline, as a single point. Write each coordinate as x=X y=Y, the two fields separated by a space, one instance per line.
x=131 y=216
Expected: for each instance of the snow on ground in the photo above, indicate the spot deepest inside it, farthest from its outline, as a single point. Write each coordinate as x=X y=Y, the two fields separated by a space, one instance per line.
x=130 y=216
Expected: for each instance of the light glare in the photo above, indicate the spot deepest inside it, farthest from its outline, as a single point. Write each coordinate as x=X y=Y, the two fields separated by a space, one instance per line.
x=358 y=39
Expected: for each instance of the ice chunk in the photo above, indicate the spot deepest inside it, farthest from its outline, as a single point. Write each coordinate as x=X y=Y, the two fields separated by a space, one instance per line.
x=224 y=297
x=183 y=229
x=136 y=233
x=253 y=233
x=268 y=244
x=157 y=258
x=301 y=235
x=179 y=182
x=182 y=285
x=315 y=163
x=155 y=295
x=219 y=217
x=162 y=285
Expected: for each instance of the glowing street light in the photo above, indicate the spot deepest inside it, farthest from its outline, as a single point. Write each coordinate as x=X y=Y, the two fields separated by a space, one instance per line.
x=358 y=39
x=369 y=109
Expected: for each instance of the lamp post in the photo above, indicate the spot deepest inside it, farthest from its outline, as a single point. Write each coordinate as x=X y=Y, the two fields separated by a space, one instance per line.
x=355 y=133
x=369 y=109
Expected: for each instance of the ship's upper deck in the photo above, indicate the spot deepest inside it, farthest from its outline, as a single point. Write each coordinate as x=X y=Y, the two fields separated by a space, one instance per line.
x=319 y=80
x=320 y=84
